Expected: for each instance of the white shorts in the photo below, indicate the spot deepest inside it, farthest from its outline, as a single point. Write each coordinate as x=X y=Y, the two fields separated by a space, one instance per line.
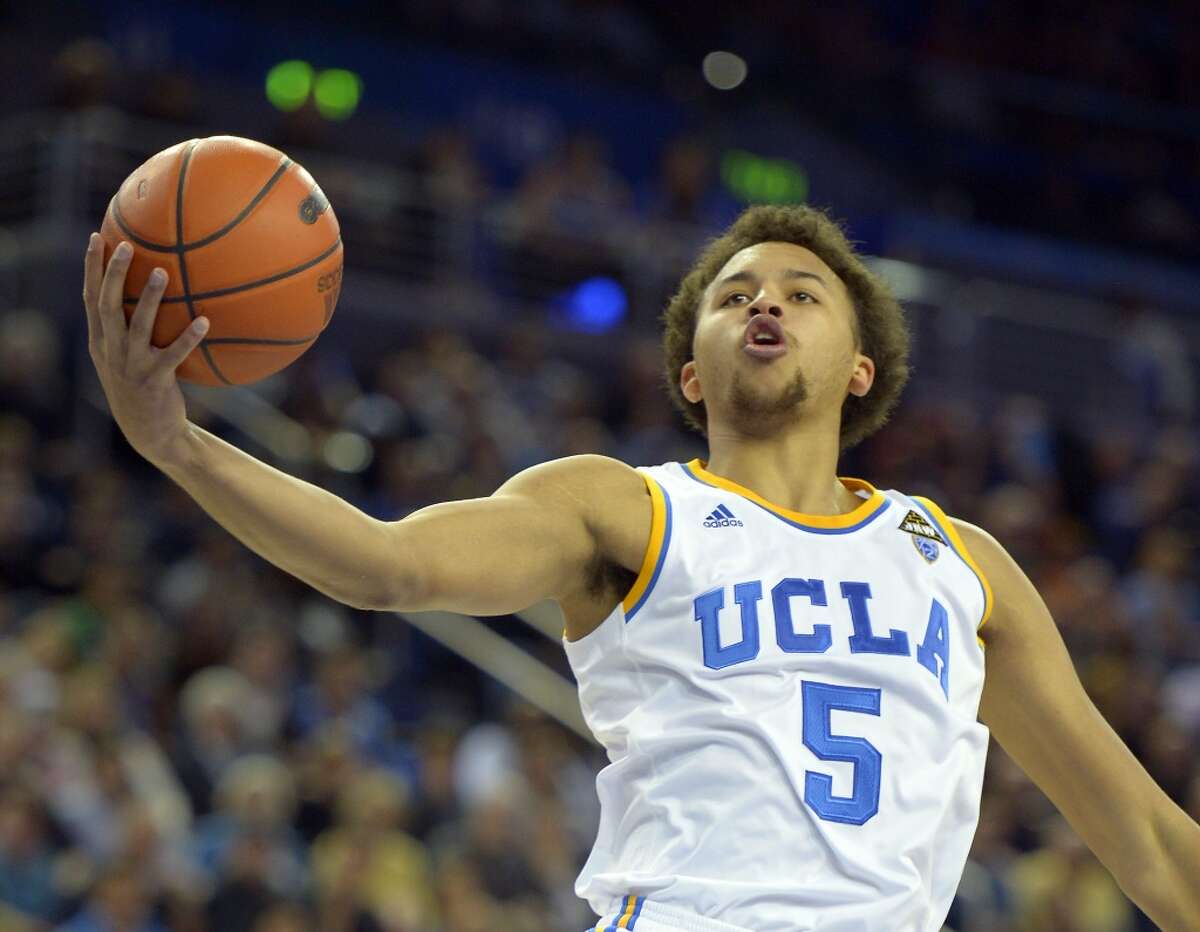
x=638 y=914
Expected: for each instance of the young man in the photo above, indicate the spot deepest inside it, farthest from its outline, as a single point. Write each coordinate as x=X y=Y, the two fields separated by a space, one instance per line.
x=783 y=665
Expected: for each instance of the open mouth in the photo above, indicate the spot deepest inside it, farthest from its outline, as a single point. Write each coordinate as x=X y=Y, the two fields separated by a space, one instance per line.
x=764 y=338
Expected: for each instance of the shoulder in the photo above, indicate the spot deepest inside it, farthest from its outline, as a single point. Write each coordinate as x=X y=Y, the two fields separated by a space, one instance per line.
x=583 y=479
x=611 y=497
x=1015 y=600
x=983 y=546
x=985 y=550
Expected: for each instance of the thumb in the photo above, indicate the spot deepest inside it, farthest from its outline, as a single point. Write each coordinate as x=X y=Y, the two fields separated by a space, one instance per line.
x=170 y=357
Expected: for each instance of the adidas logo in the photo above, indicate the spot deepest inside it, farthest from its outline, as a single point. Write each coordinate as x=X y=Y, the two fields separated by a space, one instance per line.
x=722 y=517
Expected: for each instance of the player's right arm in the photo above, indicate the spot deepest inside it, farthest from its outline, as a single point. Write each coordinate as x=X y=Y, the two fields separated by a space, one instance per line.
x=533 y=539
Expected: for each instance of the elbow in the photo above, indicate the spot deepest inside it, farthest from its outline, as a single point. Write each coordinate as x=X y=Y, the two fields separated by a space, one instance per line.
x=1169 y=893
x=367 y=598
x=370 y=593
x=391 y=585
x=1170 y=899
x=1163 y=883
x=361 y=591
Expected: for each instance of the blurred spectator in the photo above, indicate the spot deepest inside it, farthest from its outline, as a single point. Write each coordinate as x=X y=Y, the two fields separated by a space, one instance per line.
x=492 y=844
x=566 y=220
x=284 y=916
x=340 y=694
x=370 y=854
x=250 y=833
x=437 y=801
x=261 y=653
x=686 y=190
x=1063 y=888
x=86 y=74
x=1163 y=598
x=120 y=902
x=1152 y=357
x=215 y=731
x=28 y=854
x=31 y=382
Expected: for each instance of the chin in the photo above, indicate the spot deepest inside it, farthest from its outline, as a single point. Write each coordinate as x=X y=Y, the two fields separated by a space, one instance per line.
x=750 y=398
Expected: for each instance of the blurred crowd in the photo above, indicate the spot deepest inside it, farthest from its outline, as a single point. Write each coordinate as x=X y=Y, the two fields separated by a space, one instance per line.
x=191 y=740
x=1073 y=120
x=983 y=105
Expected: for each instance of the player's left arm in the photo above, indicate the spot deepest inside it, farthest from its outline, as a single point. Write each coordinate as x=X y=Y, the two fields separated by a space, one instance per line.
x=1036 y=707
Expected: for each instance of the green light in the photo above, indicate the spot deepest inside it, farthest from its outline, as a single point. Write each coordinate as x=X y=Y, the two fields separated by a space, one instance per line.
x=733 y=167
x=754 y=179
x=289 y=83
x=337 y=92
x=795 y=183
x=776 y=184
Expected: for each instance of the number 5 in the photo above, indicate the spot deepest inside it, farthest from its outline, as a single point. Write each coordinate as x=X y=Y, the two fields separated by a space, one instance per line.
x=819 y=700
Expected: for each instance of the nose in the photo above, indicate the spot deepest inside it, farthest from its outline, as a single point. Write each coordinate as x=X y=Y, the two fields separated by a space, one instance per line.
x=764 y=305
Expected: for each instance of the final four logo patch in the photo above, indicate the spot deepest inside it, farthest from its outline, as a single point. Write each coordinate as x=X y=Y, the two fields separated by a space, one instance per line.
x=925 y=547
x=914 y=522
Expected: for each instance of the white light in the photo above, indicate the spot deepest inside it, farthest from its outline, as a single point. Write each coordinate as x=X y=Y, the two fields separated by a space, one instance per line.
x=724 y=70
x=909 y=282
x=347 y=451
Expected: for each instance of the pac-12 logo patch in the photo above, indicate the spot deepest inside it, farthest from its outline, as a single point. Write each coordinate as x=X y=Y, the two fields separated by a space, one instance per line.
x=914 y=522
x=926 y=548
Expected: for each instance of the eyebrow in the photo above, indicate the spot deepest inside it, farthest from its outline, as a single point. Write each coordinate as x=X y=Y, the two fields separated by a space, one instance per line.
x=788 y=275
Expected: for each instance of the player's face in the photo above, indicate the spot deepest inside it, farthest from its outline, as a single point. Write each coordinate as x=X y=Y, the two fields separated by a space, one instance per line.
x=774 y=332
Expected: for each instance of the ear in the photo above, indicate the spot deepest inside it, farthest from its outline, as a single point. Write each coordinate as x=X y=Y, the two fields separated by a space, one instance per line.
x=863 y=377
x=689 y=382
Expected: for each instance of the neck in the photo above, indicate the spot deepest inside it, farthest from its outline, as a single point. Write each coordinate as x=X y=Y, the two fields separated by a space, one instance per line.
x=796 y=470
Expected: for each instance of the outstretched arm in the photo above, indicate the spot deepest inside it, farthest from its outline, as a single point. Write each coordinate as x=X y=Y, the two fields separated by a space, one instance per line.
x=1035 y=705
x=533 y=539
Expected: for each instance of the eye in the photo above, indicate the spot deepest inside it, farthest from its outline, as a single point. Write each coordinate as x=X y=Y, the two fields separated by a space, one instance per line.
x=808 y=297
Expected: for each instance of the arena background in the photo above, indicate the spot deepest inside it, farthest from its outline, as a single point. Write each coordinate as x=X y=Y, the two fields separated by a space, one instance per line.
x=191 y=740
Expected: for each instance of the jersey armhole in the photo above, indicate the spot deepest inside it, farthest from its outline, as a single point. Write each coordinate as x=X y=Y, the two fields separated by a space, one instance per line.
x=656 y=548
x=944 y=524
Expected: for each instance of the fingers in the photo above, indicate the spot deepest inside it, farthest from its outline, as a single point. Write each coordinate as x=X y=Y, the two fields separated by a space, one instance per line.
x=112 y=294
x=128 y=347
x=168 y=359
x=93 y=270
x=142 y=323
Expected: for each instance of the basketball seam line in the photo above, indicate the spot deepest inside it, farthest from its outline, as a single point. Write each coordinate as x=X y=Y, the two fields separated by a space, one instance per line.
x=234 y=289
x=187 y=247
x=179 y=255
x=263 y=192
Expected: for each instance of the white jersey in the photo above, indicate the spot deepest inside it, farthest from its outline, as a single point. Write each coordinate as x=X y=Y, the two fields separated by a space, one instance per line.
x=789 y=706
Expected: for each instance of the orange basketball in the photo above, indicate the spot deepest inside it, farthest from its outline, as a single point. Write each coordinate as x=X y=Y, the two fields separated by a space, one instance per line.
x=248 y=241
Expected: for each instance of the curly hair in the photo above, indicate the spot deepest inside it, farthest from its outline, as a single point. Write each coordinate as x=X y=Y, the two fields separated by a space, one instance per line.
x=879 y=325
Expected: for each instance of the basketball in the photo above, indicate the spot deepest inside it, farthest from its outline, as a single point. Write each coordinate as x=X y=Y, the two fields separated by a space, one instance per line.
x=248 y=240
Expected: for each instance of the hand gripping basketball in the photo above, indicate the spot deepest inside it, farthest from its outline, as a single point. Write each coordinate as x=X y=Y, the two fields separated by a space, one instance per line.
x=138 y=378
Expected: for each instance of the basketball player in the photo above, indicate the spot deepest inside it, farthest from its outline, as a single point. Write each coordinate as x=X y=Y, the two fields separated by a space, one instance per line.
x=785 y=666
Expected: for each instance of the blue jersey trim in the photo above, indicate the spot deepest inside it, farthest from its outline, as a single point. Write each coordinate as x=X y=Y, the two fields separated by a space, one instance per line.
x=637 y=912
x=950 y=543
x=624 y=919
x=662 y=557
x=796 y=524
